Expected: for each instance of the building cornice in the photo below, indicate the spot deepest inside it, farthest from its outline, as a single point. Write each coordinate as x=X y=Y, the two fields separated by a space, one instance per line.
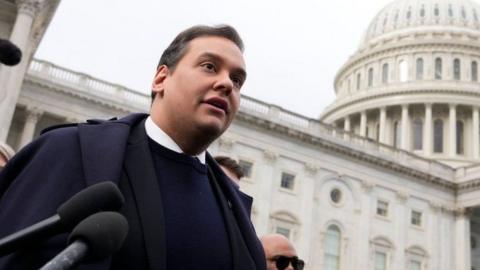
x=409 y=88
x=345 y=150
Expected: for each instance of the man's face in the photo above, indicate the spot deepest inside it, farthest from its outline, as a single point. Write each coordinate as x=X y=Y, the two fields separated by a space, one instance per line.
x=278 y=247
x=202 y=94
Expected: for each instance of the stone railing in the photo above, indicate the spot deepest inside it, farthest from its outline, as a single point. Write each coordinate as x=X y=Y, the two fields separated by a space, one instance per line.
x=115 y=93
x=84 y=83
x=317 y=128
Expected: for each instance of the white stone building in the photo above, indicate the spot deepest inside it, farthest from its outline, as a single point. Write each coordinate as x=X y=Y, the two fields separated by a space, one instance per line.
x=387 y=178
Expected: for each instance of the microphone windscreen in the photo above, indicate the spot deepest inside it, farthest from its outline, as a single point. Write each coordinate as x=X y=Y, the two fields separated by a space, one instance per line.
x=10 y=54
x=104 y=196
x=103 y=233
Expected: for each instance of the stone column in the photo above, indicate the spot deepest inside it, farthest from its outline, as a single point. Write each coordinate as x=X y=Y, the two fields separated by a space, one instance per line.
x=33 y=115
x=382 y=125
x=476 y=131
x=363 y=124
x=307 y=210
x=428 y=134
x=11 y=78
x=346 y=123
x=266 y=170
x=366 y=210
x=452 y=130
x=405 y=121
x=462 y=240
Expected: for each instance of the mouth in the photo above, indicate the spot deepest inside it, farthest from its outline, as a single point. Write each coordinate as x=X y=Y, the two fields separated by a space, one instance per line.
x=218 y=103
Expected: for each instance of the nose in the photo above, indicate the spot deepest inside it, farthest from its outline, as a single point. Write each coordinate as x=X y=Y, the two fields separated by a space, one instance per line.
x=224 y=83
x=289 y=267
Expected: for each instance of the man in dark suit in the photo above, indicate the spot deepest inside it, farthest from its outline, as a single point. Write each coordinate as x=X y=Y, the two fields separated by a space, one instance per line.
x=183 y=212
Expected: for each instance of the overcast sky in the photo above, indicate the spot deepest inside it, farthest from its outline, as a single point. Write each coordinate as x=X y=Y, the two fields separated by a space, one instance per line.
x=293 y=48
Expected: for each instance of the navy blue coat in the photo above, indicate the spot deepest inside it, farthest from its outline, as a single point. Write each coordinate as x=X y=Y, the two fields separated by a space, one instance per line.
x=65 y=160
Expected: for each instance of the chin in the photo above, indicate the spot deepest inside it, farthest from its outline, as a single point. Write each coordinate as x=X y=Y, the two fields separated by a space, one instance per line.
x=212 y=129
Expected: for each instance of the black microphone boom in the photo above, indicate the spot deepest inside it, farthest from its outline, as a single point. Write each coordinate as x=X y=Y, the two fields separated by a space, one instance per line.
x=94 y=238
x=10 y=54
x=104 y=196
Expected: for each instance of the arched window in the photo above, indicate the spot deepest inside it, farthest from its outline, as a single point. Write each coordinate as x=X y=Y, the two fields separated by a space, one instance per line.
x=450 y=10
x=422 y=11
x=474 y=69
x=409 y=13
x=438 y=136
x=332 y=248
x=403 y=71
x=464 y=14
x=382 y=249
x=385 y=73
x=436 y=11
x=417 y=129
x=370 y=77
x=397 y=134
x=438 y=68
x=377 y=132
x=419 y=73
x=456 y=69
x=460 y=139
x=284 y=223
x=475 y=16
x=359 y=81
x=416 y=258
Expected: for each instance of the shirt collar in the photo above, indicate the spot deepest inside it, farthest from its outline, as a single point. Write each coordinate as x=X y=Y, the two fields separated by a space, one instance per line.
x=155 y=133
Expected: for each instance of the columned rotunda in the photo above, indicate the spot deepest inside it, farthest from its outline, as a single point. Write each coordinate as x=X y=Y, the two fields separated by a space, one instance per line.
x=414 y=81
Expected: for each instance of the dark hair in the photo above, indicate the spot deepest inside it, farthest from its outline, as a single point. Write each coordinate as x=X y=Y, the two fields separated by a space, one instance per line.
x=178 y=48
x=231 y=165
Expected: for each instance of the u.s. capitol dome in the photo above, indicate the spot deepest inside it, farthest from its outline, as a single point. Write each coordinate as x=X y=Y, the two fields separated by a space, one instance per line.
x=413 y=83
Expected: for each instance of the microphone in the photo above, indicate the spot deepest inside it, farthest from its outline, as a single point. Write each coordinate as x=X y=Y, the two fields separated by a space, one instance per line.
x=104 y=196
x=10 y=54
x=94 y=238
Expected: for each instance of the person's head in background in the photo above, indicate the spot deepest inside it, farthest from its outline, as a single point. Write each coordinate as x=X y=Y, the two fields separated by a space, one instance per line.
x=231 y=168
x=280 y=253
x=6 y=153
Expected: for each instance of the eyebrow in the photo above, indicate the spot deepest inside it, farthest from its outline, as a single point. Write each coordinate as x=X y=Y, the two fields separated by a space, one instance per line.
x=238 y=70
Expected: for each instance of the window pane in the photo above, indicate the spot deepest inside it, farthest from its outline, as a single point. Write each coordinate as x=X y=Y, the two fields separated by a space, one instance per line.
x=359 y=80
x=385 y=73
x=474 y=71
x=382 y=208
x=332 y=248
x=283 y=231
x=416 y=218
x=419 y=73
x=246 y=168
x=438 y=68
x=370 y=77
x=380 y=261
x=456 y=69
x=460 y=138
x=403 y=71
x=288 y=181
x=415 y=265
x=397 y=133
x=417 y=134
x=438 y=136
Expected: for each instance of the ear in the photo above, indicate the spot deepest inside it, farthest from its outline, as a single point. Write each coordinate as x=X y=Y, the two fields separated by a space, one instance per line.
x=158 y=85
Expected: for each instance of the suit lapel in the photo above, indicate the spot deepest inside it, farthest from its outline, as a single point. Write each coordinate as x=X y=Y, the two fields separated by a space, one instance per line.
x=141 y=174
